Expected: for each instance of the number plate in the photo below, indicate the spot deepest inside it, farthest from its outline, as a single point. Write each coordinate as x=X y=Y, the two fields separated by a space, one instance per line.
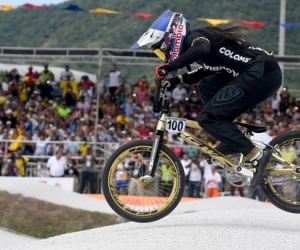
x=175 y=125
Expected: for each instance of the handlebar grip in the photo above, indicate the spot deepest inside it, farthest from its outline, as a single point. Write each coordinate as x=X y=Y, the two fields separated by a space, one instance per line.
x=163 y=72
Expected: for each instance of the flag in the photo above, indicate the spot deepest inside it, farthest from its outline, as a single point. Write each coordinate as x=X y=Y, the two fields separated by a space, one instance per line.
x=73 y=7
x=253 y=24
x=33 y=6
x=105 y=11
x=214 y=22
x=6 y=7
x=142 y=15
x=289 y=25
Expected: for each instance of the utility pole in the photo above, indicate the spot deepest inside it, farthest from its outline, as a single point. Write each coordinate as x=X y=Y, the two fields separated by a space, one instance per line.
x=282 y=35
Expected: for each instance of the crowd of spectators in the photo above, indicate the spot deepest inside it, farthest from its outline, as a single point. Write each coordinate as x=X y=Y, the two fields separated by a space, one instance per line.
x=39 y=109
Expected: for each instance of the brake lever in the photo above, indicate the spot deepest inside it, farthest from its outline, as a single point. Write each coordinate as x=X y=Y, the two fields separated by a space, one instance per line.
x=165 y=85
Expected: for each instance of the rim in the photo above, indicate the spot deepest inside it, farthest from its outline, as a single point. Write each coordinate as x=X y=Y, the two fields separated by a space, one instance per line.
x=138 y=199
x=286 y=187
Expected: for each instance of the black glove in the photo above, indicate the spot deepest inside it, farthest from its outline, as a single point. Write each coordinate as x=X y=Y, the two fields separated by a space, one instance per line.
x=173 y=82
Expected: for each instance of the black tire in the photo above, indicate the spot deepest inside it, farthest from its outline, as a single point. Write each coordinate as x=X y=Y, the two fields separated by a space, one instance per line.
x=281 y=199
x=157 y=211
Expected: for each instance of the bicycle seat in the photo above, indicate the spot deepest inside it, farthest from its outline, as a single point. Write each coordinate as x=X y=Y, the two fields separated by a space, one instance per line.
x=252 y=127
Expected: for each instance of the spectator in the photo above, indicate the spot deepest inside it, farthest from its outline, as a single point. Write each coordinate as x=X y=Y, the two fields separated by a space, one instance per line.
x=63 y=111
x=121 y=179
x=14 y=76
x=166 y=179
x=57 y=91
x=23 y=92
x=275 y=103
x=86 y=82
x=129 y=107
x=31 y=78
x=40 y=145
x=194 y=178
x=122 y=119
x=82 y=105
x=212 y=182
x=11 y=169
x=185 y=162
x=143 y=130
x=9 y=117
x=142 y=83
x=21 y=162
x=240 y=189
x=67 y=73
x=142 y=95
x=72 y=168
x=285 y=95
x=83 y=146
x=71 y=124
x=69 y=97
x=88 y=172
x=136 y=166
x=6 y=86
x=46 y=89
x=53 y=82
x=57 y=165
x=114 y=81
x=72 y=146
x=46 y=74
x=87 y=93
x=179 y=93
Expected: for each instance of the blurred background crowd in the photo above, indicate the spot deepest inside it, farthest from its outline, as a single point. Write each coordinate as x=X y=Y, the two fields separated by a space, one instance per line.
x=41 y=115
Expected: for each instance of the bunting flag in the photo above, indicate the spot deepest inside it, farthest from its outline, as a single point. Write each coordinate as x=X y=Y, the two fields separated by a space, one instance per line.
x=6 y=7
x=252 y=23
x=33 y=6
x=142 y=15
x=73 y=7
x=214 y=22
x=289 y=25
x=105 y=11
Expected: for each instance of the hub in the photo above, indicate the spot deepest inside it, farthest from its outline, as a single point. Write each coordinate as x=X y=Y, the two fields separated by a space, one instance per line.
x=145 y=180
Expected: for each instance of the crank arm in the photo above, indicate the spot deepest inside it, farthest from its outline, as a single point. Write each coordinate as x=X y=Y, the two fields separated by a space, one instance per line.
x=244 y=171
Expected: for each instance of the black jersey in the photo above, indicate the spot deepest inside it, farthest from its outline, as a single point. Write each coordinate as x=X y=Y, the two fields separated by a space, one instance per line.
x=215 y=55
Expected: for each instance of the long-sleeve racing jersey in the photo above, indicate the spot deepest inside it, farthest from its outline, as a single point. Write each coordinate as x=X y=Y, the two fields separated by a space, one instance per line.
x=208 y=50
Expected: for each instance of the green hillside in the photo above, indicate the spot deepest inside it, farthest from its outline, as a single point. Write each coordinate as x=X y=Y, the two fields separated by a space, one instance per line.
x=53 y=28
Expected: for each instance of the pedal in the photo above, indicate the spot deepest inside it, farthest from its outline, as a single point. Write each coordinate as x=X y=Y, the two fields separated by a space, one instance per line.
x=296 y=171
x=244 y=171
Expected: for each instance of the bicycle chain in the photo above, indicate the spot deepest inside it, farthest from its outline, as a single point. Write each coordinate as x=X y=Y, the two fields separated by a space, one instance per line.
x=286 y=180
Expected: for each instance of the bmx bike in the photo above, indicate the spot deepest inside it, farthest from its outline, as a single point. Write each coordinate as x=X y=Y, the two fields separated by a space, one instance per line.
x=155 y=179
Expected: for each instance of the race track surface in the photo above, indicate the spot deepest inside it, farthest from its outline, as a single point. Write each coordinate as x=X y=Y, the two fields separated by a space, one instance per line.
x=217 y=223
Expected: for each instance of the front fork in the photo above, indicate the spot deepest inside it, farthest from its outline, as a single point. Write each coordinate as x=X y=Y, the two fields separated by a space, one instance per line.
x=158 y=139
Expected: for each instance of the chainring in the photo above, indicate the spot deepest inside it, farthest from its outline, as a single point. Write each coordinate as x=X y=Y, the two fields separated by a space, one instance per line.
x=234 y=178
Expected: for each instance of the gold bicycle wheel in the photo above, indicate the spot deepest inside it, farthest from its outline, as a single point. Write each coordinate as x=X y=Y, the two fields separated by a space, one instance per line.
x=141 y=201
x=283 y=190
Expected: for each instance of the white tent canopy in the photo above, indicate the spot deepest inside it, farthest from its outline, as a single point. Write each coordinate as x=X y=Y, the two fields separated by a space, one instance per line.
x=23 y=69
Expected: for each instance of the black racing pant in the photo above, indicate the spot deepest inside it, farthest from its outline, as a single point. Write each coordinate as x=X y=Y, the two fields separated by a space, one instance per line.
x=224 y=98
